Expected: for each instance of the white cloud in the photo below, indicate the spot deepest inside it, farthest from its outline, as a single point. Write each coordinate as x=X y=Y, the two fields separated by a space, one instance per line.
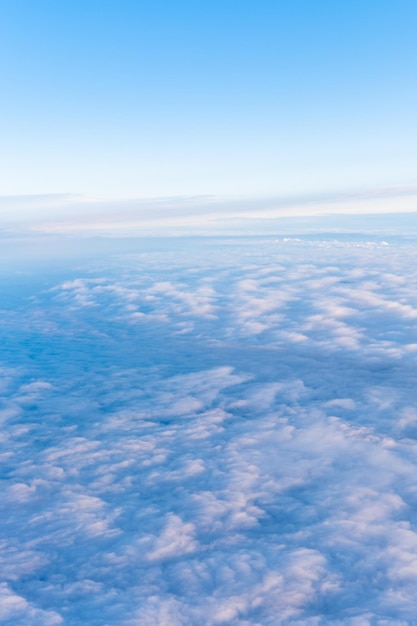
x=14 y=609
x=260 y=464
x=71 y=213
x=176 y=539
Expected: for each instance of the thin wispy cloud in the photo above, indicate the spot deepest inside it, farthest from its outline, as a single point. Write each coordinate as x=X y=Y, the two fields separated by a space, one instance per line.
x=68 y=213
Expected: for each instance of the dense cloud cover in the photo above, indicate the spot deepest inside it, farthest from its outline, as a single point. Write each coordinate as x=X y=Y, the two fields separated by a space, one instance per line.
x=212 y=432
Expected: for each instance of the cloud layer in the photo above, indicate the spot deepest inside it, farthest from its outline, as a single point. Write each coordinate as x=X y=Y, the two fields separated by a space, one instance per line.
x=183 y=215
x=217 y=433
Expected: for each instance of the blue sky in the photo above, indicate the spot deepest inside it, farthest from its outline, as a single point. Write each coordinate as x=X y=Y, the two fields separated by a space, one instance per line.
x=128 y=99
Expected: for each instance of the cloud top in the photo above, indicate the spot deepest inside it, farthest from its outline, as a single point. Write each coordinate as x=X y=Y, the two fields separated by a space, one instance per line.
x=218 y=434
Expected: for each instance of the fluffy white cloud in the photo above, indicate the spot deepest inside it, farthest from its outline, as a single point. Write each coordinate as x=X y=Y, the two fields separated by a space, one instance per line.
x=223 y=434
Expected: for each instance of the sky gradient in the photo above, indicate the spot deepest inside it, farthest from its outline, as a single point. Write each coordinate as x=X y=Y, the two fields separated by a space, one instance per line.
x=231 y=99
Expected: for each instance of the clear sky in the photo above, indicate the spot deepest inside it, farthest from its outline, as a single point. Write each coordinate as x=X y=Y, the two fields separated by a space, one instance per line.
x=134 y=99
